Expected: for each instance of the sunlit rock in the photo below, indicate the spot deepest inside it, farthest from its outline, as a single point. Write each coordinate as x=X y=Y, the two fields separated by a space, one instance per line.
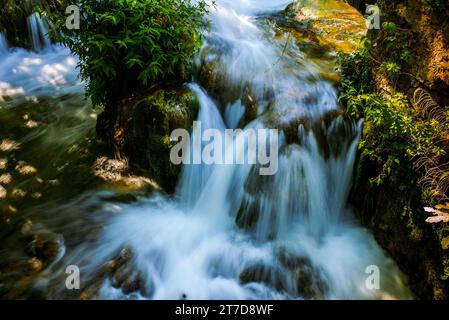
x=8 y=145
x=118 y=171
x=25 y=169
x=5 y=178
x=18 y=193
x=335 y=23
x=3 y=163
x=34 y=265
x=3 y=192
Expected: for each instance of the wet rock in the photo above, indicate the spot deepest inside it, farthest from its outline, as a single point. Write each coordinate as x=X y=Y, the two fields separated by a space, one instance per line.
x=334 y=24
x=310 y=282
x=300 y=278
x=251 y=107
x=118 y=172
x=224 y=91
x=268 y=275
x=122 y=274
x=3 y=163
x=34 y=265
x=131 y=284
x=3 y=192
x=26 y=227
x=140 y=131
x=248 y=214
x=8 y=145
x=90 y=292
x=24 y=168
x=46 y=247
x=5 y=178
x=126 y=254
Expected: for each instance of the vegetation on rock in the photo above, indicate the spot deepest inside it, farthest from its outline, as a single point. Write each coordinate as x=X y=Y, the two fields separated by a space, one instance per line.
x=403 y=158
x=130 y=44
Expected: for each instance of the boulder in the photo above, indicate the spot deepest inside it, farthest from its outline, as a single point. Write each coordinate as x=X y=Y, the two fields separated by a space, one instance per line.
x=139 y=128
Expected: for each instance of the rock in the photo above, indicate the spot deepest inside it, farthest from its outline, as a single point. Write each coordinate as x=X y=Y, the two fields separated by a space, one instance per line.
x=45 y=246
x=213 y=78
x=25 y=169
x=122 y=274
x=334 y=24
x=26 y=227
x=394 y=216
x=3 y=163
x=131 y=284
x=125 y=255
x=310 y=283
x=140 y=131
x=34 y=265
x=300 y=278
x=268 y=275
x=8 y=145
x=118 y=172
x=3 y=192
x=295 y=275
x=5 y=178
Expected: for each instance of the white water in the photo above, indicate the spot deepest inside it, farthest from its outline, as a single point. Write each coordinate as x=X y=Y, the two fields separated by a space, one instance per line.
x=248 y=58
x=48 y=71
x=189 y=245
x=38 y=31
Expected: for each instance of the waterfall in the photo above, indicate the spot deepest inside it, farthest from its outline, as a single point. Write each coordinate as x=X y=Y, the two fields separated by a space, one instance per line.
x=49 y=70
x=231 y=233
x=4 y=48
x=39 y=32
x=195 y=176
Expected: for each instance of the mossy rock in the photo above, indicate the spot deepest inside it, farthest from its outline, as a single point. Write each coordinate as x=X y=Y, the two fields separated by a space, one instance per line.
x=139 y=128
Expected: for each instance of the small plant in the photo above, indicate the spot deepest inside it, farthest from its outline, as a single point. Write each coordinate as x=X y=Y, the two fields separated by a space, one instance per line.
x=395 y=135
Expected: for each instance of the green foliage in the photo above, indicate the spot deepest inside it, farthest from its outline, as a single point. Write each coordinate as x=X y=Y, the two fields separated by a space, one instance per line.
x=396 y=136
x=398 y=48
x=435 y=5
x=394 y=133
x=126 y=44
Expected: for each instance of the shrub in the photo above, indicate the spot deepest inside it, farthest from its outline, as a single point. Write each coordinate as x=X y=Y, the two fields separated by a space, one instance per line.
x=435 y=5
x=394 y=132
x=126 y=44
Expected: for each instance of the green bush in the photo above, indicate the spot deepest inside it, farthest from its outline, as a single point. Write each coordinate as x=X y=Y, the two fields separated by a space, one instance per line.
x=127 y=44
x=394 y=133
x=435 y=5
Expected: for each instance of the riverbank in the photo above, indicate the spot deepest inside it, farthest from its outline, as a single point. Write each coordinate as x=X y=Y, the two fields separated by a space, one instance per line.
x=403 y=151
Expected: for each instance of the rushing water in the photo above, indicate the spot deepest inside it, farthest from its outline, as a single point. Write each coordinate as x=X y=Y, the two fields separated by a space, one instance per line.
x=227 y=232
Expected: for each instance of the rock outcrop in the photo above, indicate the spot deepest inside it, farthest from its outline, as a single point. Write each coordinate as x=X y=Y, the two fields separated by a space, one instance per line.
x=139 y=130
x=394 y=210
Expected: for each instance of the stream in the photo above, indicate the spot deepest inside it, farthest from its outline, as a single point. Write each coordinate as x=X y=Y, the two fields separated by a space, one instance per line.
x=227 y=232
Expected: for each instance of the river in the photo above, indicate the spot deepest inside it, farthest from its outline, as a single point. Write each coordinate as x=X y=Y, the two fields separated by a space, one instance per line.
x=227 y=232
